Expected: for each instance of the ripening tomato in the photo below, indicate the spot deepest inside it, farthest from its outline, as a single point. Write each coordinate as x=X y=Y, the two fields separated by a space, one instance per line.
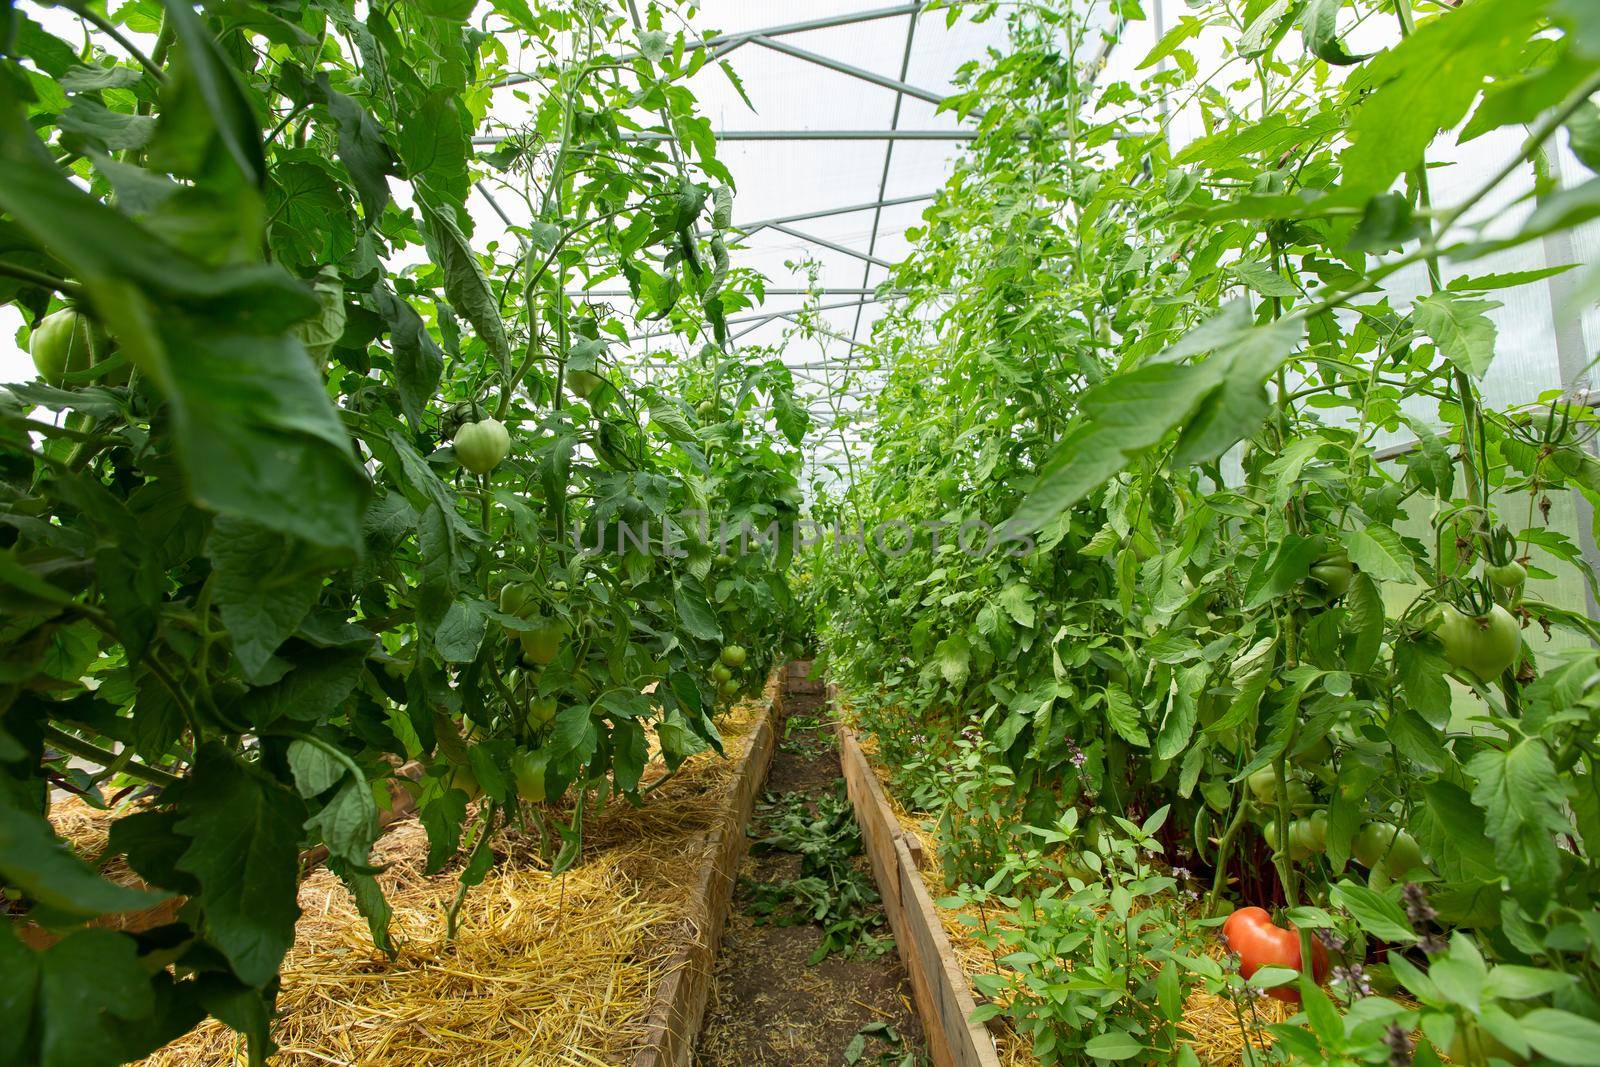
x=1252 y=934
x=1485 y=646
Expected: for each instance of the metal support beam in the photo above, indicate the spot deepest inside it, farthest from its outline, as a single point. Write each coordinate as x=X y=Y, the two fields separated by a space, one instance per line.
x=764 y=316
x=841 y=249
x=888 y=160
x=614 y=293
x=783 y=30
x=652 y=137
x=896 y=84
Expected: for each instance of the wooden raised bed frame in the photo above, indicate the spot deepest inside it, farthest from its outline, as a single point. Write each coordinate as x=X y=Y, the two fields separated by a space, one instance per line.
x=944 y=999
x=680 y=1003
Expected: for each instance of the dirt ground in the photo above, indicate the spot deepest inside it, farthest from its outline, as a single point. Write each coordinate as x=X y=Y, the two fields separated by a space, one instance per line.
x=768 y=1008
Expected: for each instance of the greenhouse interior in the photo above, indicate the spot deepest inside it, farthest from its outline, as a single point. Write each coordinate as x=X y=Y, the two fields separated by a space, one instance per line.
x=981 y=533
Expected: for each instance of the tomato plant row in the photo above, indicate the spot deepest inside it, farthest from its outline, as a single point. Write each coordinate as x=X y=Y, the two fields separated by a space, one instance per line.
x=1175 y=363
x=289 y=503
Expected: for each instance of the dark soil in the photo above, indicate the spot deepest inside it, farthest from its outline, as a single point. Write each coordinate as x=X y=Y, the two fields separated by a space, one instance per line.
x=768 y=1008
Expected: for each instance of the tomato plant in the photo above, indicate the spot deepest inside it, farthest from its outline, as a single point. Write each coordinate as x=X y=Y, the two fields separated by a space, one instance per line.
x=1226 y=357
x=299 y=495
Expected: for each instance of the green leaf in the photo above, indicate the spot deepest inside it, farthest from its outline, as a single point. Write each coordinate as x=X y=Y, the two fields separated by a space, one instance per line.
x=1320 y=25
x=348 y=824
x=91 y=986
x=1113 y=1046
x=1378 y=550
x=694 y=611
x=1134 y=411
x=36 y=861
x=213 y=76
x=1364 y=608
x=434 y=144
x=244 y=833
x=954 y=657
x=315 y=769
x=465 y=283
x=1521 y=798
x=1461 y=329
x=1377 y=914
x=1425 y=85
x=1263 y=279
x=239 y=386
x=265 y=586
x=1563 y=1036
x=362 y=149
x=1583 y=134
x=1123 y=715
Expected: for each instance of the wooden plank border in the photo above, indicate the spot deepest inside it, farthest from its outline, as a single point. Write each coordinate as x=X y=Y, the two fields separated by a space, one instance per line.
x=680 y=1003
x=940 y=988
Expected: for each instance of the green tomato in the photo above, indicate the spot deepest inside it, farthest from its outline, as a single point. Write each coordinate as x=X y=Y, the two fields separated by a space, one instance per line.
x=727 y=689
x=62 y=343
x=705 y=409
x=480 y=446
x=1297 y=850
x=516 y=598
x=541 y=712
x=1310 y=834
x=1384 y=842
x=724 y=560
x=1334 y=573
x=1264 y=787
x=721 y=673
x=528 y=769
x=1509 y=575
x=733 y=655
x=543 y=644
x=583 y=383
x=1485 y=646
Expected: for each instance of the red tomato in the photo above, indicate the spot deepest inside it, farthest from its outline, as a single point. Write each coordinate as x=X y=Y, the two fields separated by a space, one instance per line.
x=1250 y=932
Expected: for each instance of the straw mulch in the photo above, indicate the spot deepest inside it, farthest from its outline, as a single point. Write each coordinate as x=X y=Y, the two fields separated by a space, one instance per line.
x=543 y=970
x=1211 y=1020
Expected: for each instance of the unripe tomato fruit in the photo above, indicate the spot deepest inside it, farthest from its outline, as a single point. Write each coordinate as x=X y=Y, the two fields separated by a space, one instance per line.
x=728 y=688
x=733 y=655
x=583 y=382
x=1484 y=646
x=1334 y=573
x=543 y=644
x=1306 y=836
x=1264 y=787
x=517 y=597
x=721 y=673
x=705 y=409
x=1509 y=575
x=1251 y=933
x=480 y=446
x=62 y=343
x=528 y=768
x=1385 y=843
x=541 y=712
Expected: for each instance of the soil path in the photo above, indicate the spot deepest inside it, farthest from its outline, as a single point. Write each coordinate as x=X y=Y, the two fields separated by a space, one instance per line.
x=768 y=1008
